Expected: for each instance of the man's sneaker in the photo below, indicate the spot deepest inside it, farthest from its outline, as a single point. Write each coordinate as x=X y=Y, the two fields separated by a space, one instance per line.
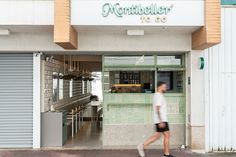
x=141 y=150
x=168 y=155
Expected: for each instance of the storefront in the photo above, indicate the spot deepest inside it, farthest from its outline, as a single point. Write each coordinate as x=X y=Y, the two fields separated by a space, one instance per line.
x=133 y=44
x=129 y=84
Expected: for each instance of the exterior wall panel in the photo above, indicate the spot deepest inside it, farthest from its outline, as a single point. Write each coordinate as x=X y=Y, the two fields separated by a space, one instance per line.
x=26 y=12
x=220 y=88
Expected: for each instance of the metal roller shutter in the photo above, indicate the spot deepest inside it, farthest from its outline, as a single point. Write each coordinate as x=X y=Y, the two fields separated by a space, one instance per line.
x=16 y=100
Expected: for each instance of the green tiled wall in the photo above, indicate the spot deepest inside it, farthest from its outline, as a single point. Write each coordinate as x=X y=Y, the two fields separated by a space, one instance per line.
x=136 y=108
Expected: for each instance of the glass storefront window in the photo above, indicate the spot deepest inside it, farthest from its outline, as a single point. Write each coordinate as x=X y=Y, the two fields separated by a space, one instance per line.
x=128 y=60
x=129 y=81
x=170 y=60
x=71 y=88
x=121 y=77
x=60 y=86
x=96 y=85
x=83 y=88
x=173 y=79
x=106 y=81
x=55 y=86
x=88 y=87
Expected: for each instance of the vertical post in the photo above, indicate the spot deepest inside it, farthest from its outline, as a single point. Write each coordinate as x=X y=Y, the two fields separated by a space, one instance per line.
x=36 y=100
x=79 y=117
x=82 y=116
x=155 y=75
x=72 y=118
x=76 y=120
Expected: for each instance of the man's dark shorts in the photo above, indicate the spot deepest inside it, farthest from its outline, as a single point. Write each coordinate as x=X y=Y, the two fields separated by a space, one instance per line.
x=166 y=128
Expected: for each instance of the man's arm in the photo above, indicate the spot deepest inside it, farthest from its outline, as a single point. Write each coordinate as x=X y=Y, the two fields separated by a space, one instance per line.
x=158 y=113
x=161 y=124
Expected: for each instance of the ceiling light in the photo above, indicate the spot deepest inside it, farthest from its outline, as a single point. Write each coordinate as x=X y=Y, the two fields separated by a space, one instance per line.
x=4 y=32
x=135 y=32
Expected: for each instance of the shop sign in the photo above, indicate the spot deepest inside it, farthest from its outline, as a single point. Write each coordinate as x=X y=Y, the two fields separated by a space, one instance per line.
x=135 y=9
x=120 y=11
x=138 y=12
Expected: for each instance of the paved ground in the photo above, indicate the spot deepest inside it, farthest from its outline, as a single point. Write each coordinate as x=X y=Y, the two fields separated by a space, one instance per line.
x=99 y=153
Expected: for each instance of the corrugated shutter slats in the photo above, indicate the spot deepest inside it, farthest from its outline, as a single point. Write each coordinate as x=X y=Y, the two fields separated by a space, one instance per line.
x=16 y=100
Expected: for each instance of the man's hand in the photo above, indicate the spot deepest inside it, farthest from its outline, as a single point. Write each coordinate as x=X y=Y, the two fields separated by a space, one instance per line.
x=162 y=125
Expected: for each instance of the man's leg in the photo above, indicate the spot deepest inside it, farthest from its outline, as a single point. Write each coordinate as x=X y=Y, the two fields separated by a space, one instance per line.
x=166 y=142
x=151 y=139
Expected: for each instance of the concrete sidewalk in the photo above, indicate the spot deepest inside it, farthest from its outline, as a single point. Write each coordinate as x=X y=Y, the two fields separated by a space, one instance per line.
x=100 y=153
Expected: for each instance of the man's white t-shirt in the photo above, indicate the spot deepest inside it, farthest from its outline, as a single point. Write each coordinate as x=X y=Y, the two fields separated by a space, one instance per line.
x=159 y=100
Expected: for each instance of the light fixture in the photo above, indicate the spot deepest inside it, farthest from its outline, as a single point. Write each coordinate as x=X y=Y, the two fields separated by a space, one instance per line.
x=135 y=32
x=4 y=32
x=49 y=59
x=201 y=63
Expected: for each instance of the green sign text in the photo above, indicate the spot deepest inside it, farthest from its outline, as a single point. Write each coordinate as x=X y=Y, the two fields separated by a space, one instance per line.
x=136 y=9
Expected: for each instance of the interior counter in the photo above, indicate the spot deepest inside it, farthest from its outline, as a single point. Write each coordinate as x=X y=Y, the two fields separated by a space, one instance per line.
x=128 y=118
x=136 y=108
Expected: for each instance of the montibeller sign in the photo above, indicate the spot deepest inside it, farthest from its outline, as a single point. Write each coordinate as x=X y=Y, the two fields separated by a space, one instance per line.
x=135 y=9
x=138 y=9
x=137 y=12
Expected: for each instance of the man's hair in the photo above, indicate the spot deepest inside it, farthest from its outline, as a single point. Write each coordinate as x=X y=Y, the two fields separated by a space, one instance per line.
x=160 y=83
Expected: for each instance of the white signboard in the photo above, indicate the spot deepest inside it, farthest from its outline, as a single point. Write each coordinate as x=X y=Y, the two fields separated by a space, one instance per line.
x=138 y=13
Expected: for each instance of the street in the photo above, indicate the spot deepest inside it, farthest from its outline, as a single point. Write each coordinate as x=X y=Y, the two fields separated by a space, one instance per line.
x=101 y=153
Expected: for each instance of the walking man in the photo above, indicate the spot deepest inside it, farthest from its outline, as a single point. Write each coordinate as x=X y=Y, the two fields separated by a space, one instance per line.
x=160 y=121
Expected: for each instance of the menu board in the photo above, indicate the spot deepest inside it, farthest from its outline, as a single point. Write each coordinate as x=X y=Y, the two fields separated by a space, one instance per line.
x=129 y=77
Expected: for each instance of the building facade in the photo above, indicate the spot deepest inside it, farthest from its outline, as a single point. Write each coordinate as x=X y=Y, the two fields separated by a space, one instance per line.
x=41 y=40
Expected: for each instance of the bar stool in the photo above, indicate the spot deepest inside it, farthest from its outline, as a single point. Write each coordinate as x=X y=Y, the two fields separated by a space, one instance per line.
x=76 y=120
x=82 y=115
x=99 y=114
x=71 y=116
x=79 y=115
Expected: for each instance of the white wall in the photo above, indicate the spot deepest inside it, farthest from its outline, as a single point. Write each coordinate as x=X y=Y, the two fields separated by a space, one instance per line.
x=195 y=103
x=26 y=12
x=220 y=79
x=98 y=41
x=197 y=90
x=28 y=41
x=119 y=41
